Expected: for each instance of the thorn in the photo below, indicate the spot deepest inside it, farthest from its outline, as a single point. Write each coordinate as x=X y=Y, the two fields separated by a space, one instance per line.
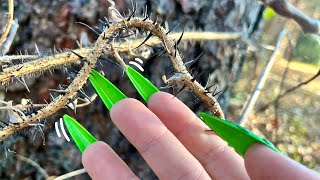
x=183 y=87
x=180 y=37
x=70 y=69
x=109 y=60
x=59 y=91
x=215 y=94
x=68 y=107
x=22 y=81
x=89 y=28
x=165 y=19
x=74 y=106
x=104 y=24
x=52 y=98
x=20 y=68
x=125 y=36
x=37 y=50
x=207 y=88
x=145 y=18
x=196 y=77
x=81 y=57
x=145 y=40
x=194 y=60
x=133 y=11
x=107 y=21
x=162 y=51
x=155 y=20
x=99 y=30
x=81 y=91
x=172 y=28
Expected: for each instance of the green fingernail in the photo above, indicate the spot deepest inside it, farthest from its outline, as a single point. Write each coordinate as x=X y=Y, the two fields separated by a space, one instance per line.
x=236 y=136
x=78 y=133
x=108 y=92
x=145 y=88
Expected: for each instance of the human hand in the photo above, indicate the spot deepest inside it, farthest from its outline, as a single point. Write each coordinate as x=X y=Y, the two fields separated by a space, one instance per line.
x=175 y=144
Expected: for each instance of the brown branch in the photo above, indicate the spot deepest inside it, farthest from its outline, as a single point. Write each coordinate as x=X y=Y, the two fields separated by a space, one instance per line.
x=9 y=23
x=291 y=90
x=103 y=44
x=41 y=64
x=261 y=81
x=285 y=9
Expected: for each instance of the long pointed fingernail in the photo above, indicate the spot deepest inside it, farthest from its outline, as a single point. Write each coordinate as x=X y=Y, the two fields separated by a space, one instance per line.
x=79 y=134
x=108 y=92
x=145 y=88
x=236 y=136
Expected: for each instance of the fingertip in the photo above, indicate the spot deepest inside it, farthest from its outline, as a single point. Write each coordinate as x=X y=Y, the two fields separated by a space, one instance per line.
x=125 y=105
x=95 y=149
x=101 y=162
x=262 y=162
x=158 y=98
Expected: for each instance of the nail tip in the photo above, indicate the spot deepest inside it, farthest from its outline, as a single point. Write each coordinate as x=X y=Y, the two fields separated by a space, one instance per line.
x=236 y=136
x=144 y=87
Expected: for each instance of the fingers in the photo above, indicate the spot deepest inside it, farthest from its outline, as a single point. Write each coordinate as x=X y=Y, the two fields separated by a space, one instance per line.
x=263 y=163
x=159 y=147
x=101 y=162
x=213 y=153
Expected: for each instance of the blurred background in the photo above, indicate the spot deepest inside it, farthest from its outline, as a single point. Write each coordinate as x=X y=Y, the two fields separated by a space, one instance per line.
x=233 y=66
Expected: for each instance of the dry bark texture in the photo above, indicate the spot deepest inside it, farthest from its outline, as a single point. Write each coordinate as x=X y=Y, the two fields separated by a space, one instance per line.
x=52 y=23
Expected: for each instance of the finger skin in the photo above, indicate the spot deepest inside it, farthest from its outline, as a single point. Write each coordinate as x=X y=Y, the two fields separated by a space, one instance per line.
x=219 y=160
x=101 y=162
x=263 y=163
x=166 y=156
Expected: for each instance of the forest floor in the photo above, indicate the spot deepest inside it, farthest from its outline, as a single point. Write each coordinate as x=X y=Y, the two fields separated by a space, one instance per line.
x=293 y=126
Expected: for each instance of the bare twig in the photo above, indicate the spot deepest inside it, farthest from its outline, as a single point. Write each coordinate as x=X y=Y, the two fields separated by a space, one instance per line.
x=23 y=107
x=261 y=81
x=34 y=164
x=291 y=90
x=71 y=174
x=284 y=8
x=9 y=23
x=7 y=44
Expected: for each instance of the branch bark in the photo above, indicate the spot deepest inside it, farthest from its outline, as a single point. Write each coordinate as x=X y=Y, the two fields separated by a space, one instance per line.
x=9 y=23
x=285 y=9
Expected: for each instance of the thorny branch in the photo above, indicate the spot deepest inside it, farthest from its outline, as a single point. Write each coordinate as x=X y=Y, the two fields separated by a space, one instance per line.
x=284 y=8
x=101 y=46
x=40 y=64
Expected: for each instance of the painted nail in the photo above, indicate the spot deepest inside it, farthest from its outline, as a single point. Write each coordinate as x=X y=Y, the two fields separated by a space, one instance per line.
x=145 y=88
x=79 y=134
x=108 y=92
x=236 y=136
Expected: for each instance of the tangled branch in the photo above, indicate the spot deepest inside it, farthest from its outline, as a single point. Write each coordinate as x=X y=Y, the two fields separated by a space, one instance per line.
x=103 y=45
